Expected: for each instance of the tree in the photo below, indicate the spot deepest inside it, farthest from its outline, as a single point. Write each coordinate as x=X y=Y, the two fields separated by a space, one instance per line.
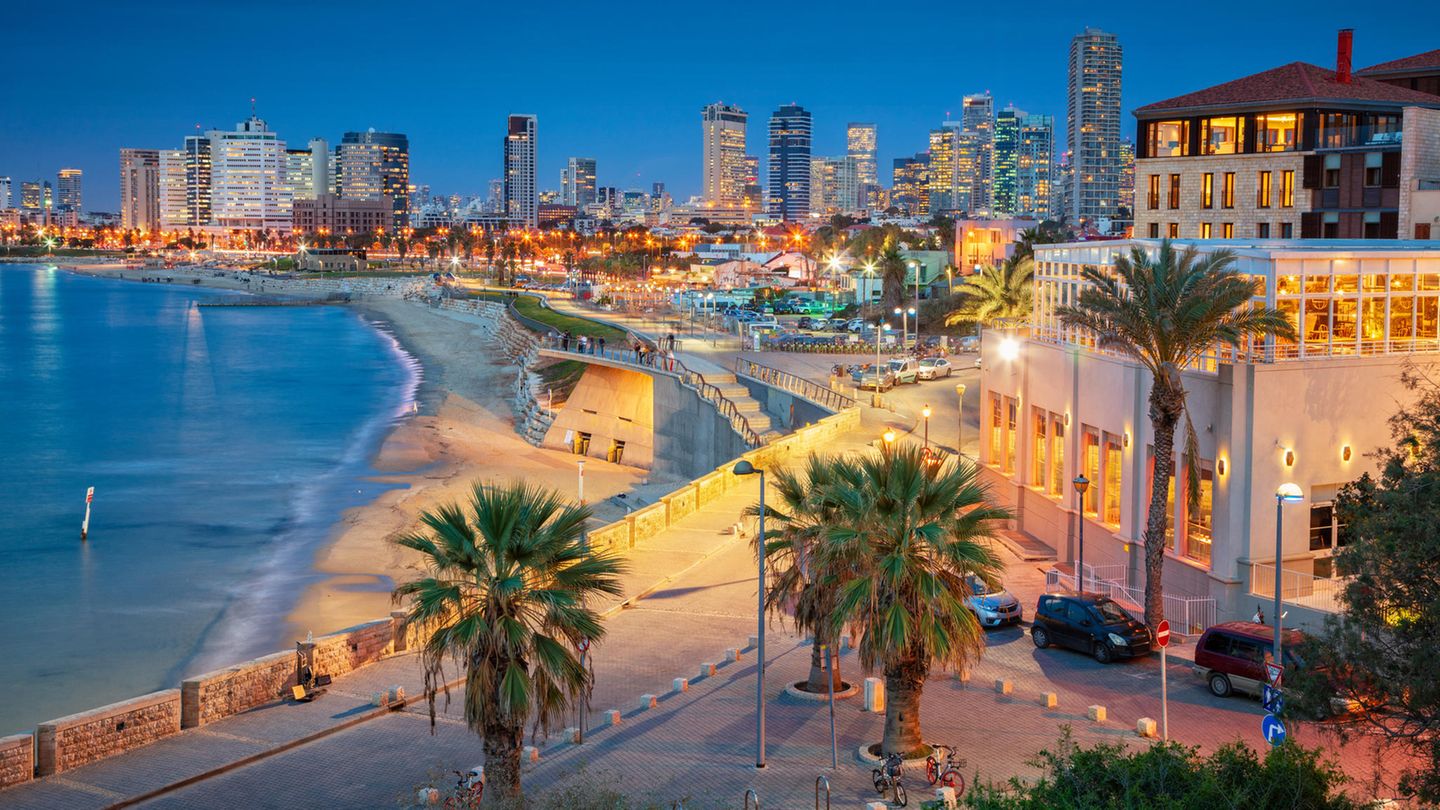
x=1164 y=313
x=999 y=292
x=505 y=595
x=798 y=514
x=1382 y=650
x=906 y=537
x=892 y=275
x=1172 y=776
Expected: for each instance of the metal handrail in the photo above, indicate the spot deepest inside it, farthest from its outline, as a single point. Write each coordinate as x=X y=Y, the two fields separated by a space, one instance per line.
x=818 y=780
x=751 y=792
x=833 y=400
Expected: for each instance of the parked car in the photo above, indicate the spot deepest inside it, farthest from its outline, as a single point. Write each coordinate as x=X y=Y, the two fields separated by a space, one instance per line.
x=1090 y=623
x=904 y=370
x=838 y=324
x=1230 y=657
x=934 y=367
x=764 y=322
x=994 y=607
x=880 y=380
x=807 y=322
x=856 y=325
x=970 y=343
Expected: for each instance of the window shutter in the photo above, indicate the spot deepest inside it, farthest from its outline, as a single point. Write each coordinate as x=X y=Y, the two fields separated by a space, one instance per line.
x=1390 y=170
x=1310 y=173
x=1389 y=224
x=1310 y=224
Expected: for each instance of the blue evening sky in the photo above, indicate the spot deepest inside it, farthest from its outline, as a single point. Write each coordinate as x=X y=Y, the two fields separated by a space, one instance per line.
x=621 y=82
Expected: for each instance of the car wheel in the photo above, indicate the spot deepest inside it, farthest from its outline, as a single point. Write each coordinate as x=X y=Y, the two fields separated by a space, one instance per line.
x=1102 y=652
x=1040 y=636
x=1220 y=685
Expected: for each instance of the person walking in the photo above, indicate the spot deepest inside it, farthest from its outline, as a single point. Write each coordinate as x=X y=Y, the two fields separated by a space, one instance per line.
x=601 y=341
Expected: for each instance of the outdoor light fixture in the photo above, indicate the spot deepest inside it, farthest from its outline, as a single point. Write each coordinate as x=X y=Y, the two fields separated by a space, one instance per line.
x=1345 y=453
x=1289 y=458
x=1287 y=493
x=1081 y=485
x=1009 y=349
x=889 y=437
x=1220 y=466
x=744 y=467
x=1126 y=438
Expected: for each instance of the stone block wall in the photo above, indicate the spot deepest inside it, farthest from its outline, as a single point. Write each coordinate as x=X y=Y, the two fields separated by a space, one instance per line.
x=17 y=759
x=1419 y=160
x=611 y=537
x=709 y=487
x=680 y=503
x=646 y=523
x=1246 y=213
x=109 y=730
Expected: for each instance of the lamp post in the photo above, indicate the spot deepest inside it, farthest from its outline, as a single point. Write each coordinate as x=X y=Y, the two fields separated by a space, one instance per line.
x=888 y=437
x=916 y=309
x=580 y=481
x=746 y=468
x=1081 y=485
x=1287 y=493
x=925 y=412
x=960 y=420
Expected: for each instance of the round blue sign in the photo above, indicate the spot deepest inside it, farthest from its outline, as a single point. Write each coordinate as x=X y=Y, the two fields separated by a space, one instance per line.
x=1273 y=729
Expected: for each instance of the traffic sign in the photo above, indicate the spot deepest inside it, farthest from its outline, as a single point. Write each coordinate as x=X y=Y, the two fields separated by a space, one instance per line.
x=583 y=645
x=1273 y=729
x=1162 y=633
x=1273 y=699
x=1273 y=673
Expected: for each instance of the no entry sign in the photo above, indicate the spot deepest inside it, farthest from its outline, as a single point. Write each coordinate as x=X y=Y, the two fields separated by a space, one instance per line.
x=1162 y=633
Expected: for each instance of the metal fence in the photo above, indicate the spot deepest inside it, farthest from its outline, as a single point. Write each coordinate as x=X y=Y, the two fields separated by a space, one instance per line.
x=1297 y=587
x=1188 y=615
x=827 y=398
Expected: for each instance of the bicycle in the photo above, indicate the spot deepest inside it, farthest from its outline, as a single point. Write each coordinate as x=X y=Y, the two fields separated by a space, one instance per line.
x=947 y=773
x=887 y=776
x=469 y=789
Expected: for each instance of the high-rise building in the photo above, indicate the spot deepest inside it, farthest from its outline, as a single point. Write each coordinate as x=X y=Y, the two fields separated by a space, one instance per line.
x=30 y=195
x=1006 y=159
x=754 y=194
x=174 y=209
x=722 y=149
x=69 y=194
x=1035 y=168
x=300 y=174
x=374 y=165
x=790 y=129
x=197 y=180
x=4 y=193
x=521 y=198
x=322 y=174
x=140 y=189
x=978 y=121
x=833 y=187
x=1127 y=180
x=860 y=145
x=941 y=180
x=910 y=185
x=247 y=178
x=1094 y=126
x=577 y=182
x=970 y=173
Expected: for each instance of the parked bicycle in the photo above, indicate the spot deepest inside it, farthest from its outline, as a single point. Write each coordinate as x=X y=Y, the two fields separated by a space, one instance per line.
x=887 y=777
x=946 y=772
x=469 y=789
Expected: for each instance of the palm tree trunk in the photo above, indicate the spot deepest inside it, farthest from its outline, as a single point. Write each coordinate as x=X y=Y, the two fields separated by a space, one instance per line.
x=904 y=683
x=502 y=763
x=816 y=682
x=1166 y=405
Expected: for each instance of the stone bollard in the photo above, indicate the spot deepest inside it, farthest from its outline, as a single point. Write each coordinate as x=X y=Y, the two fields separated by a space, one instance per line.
x=1145 y=727
x=648 y=702
x=874 y=695
x=876 y=806
x=1096 y=713
x=963 y=677
x=571 y=735
x=732 y=654
x=752 y=642
x=613 y=717
x=530 y=754
x=845 y=645
x=397 y=694
x=379 y=699
x=1049 y=700
x=680 y=685
x=707 y=669
x=1003 y=686
x=427 y=796
x=946 y=797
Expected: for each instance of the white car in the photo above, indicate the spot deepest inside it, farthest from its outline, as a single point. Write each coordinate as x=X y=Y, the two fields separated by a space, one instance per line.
x=932 y=368
x=764 y=322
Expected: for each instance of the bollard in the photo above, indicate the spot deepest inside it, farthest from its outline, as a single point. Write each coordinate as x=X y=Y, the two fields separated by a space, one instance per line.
x=963 y=676
x=1003 y=686
x=427 y=796
x=707 y=669
x=1049 y=700
x=1096 y=713
x=397 y=694
x=874 y=695
x=379 y=699
x=613 y=717
x=946 y=797
x=1145 y=727
x=648 y=702
x=752 y=642
x=876 y=806
x=571 y=735
x=530 y=754
x=680 y=685
x=732 y=654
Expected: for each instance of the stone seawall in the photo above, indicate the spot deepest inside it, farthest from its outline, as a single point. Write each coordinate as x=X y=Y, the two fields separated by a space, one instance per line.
x=17 y=759
x=99 y=733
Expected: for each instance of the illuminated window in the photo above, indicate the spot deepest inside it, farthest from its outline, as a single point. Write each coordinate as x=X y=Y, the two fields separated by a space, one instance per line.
x=1113 y=468
x=1277 y=132
x=1174 y=191
x=1227 y=230
x=1199 y=523
x=1227 y=193
x=1174 y=230
x=1204 y=230
x=1221 y=136
x=1057 y=455
x=1262 y=194
x=1090 y=453
x=1287 y=190
x=1038 y=476
x=1169 y=138
x=996 y=428
x=1207 y=190
x=1154 y=196
x=1011 y=433
x=1337 y=130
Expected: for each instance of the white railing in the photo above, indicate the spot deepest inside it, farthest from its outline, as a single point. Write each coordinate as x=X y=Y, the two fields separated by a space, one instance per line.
x=1297 y=587
x=1188 y=615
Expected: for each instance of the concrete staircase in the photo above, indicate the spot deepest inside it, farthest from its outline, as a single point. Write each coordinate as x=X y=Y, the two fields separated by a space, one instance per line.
x=754 y=413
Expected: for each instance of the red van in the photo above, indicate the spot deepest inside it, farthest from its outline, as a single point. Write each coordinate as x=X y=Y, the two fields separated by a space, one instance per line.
x=1230 y=657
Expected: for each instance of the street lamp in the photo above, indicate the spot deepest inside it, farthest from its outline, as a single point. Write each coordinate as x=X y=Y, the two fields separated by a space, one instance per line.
x=960 y=420
x=925 y=412
x=1287 y=493
x=746 y=468
x=1081 y=485
x=889 y=438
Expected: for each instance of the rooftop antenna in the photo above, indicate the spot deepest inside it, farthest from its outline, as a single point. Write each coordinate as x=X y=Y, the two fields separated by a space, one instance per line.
x=252 y=106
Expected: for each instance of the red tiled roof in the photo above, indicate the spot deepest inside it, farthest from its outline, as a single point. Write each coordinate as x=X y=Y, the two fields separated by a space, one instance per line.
x=1295 y=82
x=1420 y=61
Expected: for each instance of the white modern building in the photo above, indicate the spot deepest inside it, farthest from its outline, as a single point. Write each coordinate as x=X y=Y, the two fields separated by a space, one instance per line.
x=722 y=153
x=5 y=188
x=173 y=203
x=247 y=178
x=69 y=190
x=577 y=182
x=522 y=202
x=1306 y=411
x=139 y=189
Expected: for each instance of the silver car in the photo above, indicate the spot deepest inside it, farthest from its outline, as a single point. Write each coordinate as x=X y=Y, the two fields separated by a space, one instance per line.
x=993 y=607
x=932 y=368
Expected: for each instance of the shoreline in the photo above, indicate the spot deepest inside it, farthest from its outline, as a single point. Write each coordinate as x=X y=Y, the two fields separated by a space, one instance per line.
x=462 y=431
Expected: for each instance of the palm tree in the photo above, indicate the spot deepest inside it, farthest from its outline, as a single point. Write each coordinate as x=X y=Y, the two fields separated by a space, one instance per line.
x=999 y=292
x=907 y=537
x=892 y=275
x=504 y=595
x=796 y=528
x=1164 y=313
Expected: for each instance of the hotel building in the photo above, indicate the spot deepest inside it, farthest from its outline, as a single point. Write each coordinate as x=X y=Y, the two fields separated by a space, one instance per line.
x=173 y=203
x=1307 y=411
x=1296 y=151
x=521 y=197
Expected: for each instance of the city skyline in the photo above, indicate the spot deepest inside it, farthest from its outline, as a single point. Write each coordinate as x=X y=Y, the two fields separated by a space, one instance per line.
x=447 y=138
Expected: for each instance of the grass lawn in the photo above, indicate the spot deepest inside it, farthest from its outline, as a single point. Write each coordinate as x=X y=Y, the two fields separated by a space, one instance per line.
x=529 y=306
x=563 y=375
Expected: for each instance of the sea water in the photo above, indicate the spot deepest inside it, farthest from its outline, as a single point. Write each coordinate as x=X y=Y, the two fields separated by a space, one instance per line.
x=223 y=444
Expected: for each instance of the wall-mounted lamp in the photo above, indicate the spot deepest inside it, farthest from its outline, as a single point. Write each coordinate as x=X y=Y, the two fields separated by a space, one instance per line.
x=1009 y=349
x=1220 y=466
x=1345 y=453
x=1067 y=419
x=1126 y=439
x=1289 y=458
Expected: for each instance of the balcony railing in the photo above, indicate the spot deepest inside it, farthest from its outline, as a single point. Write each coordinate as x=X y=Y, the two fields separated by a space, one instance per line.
x=824 y=397
x=1298 y=587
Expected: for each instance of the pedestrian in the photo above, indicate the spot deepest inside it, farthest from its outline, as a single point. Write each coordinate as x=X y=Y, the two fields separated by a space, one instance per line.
x=565 y=341
x=584 y=344
x=601 y=341
x=670 y=361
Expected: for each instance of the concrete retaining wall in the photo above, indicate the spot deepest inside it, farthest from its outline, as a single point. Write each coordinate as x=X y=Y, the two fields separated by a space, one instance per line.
x=99 y=733
x=17 y=759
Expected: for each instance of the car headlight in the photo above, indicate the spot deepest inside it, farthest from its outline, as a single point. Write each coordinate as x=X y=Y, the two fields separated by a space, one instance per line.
x=1116 y=639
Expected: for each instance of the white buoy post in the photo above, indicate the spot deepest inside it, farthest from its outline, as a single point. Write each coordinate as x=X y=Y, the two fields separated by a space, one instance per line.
x=85 y=524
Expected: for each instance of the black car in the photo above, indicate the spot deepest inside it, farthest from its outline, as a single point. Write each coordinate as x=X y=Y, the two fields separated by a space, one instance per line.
x=806 y=322
x=1090 y=623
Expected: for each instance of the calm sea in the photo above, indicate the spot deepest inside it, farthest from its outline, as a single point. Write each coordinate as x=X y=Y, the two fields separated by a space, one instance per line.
x=223 y=444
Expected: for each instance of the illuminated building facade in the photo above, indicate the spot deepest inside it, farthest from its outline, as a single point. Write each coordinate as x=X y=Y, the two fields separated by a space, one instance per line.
x=1094 y=127
x=910 y=185
x=247 y=178
x=978 y=172
x=139 y=189
x=173 y=205
x=790 y=131
x=577 y=182
x=521 y=198
x=371 y=165
x=197 y=180
x=860 y=145
x=338 y=215
x=300 y=173
x=722 y=153
x=941 y=178
x=69 y=190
